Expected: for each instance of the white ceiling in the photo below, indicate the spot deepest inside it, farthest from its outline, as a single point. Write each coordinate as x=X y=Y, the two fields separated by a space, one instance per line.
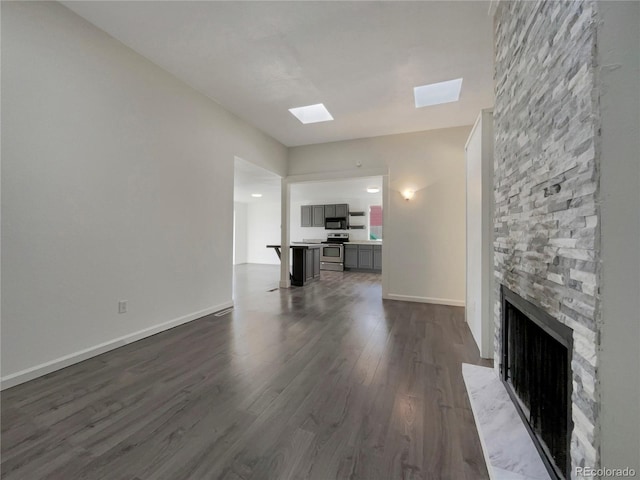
x=361 y=59
x=249 y=178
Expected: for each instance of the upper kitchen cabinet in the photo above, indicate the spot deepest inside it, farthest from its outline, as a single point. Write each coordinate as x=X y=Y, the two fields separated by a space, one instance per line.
x=341 y=210
x=330 y=211
x=318 y=216
x=315 y=215
x=306 y=216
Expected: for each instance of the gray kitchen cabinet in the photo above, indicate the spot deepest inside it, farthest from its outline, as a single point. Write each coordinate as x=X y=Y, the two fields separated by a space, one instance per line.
x=377 y=257
x=306 y=216
x=305 y=265
x=365 y=257
x=315 y=215
x=341 y=210
x=351 y=256
x=317 y=218
x=316 y=262
x=312 y=264
x=330 y=211
x=308 y=271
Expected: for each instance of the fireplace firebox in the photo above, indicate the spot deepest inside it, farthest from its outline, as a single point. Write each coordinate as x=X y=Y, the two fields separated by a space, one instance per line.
x=536 y=370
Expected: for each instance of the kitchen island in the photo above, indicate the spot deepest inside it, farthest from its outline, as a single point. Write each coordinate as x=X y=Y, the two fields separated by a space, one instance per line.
x=305 y=263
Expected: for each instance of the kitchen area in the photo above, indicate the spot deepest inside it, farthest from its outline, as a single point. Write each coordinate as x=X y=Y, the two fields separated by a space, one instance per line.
x=335 y=226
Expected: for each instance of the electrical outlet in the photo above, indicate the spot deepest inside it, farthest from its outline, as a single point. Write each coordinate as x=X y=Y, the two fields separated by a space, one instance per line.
x=122 y=306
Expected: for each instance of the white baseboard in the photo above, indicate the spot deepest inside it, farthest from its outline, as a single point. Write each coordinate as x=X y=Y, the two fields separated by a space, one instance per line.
x=22 y=376
x=436 y=301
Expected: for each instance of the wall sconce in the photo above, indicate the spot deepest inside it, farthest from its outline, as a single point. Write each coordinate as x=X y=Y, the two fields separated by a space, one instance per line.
x=408 y=194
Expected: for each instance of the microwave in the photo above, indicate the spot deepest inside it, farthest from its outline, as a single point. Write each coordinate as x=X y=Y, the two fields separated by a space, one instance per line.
x=337 y=223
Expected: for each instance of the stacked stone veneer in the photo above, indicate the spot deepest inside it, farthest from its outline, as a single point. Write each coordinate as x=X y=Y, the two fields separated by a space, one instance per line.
x=546 y=183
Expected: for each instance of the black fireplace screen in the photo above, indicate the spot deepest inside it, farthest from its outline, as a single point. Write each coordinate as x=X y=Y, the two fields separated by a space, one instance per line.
x=536 y=368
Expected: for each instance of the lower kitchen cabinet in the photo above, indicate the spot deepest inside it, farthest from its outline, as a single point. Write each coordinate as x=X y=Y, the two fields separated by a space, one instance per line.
x=308 y=272
x=351 y=256
x=312 y=264
x=366 y=258
x=305 y=265
x=377 y=257
x=316 y=262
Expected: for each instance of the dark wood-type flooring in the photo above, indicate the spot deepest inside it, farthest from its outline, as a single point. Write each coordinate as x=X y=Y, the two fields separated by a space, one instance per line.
x=321 y=382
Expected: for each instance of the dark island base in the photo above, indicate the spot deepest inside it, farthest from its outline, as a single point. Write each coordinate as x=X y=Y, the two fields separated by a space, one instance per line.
x=305 y=264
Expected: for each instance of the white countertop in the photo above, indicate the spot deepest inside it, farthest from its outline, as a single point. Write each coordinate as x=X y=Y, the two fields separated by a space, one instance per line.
x=353 y=242
x=365 y=242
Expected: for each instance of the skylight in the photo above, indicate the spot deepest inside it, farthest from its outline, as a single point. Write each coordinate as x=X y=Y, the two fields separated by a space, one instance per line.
x=437 y=93
x=312 y=113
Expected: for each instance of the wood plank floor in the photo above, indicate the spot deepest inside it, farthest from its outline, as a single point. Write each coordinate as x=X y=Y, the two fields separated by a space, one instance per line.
x=321 y=382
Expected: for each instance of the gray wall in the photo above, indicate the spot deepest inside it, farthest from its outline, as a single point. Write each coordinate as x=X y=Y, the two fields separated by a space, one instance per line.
x=479 y=170
x=117 y=184
x=425 y=236
x=618 y=58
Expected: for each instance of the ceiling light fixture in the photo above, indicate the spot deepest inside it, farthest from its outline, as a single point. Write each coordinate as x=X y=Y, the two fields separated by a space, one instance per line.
x=312 y=113
x=437 y=93
x=373 y=189
x=256 y=195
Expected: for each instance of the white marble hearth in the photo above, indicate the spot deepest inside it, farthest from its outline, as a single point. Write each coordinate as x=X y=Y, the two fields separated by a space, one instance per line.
x=508 y=449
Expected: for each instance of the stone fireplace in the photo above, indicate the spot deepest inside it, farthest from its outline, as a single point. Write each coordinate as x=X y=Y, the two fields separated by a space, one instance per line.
x=546 y=184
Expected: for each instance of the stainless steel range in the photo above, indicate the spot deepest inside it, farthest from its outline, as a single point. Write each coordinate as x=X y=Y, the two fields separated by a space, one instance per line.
x=332 y=252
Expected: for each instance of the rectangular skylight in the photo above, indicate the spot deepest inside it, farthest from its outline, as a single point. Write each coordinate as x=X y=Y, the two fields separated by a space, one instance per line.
x=312 y=113
x=437 y=93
